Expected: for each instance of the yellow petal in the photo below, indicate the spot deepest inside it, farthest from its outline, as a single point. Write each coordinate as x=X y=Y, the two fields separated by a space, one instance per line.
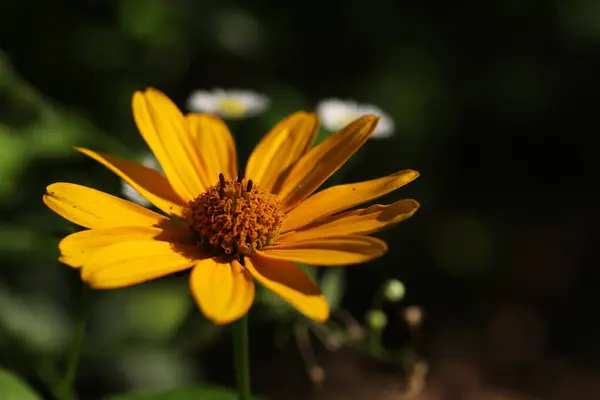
x=224 y=292
x=329 y=251
x=130 y=263
x=216 y=147
x=92 y=208
x=323 y=160
x=291 y=283
x=289 y=140
x=150 y=183
x=342 y=197
x=77 y=248
x=163 y=127
x=356 y=222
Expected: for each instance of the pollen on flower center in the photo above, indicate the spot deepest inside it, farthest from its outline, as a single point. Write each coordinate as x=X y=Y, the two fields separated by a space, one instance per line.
x=235 y=218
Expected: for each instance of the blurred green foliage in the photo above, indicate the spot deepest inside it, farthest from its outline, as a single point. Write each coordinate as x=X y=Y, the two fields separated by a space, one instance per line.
x=207 y=392
x=475 y=91
x=13 y=387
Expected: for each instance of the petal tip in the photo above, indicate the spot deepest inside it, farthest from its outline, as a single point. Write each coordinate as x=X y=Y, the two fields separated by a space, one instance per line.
x=416 y=204
x=323 y=315
x=51 y=189
x=302 y=117
x=155 y=93
x=370 y=119
x=381 y=247
x=147 y=94
x=299 y=113
x=366 y=123
x=150 y=89
x=313 y=117
x=67 y=261
x=221 y=322
x=83 y=150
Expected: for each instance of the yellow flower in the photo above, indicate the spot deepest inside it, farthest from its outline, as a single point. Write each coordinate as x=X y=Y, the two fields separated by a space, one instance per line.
x=228 y=227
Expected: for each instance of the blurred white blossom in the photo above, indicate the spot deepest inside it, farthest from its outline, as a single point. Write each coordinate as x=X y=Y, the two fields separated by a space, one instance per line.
x=231 y=103
x=129 y=192
x=335 y=114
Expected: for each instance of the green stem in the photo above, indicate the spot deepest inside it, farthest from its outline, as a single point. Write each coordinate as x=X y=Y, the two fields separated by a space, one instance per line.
x=377 y=303
x=65 y=388
x=241 y=356
x=374 y=342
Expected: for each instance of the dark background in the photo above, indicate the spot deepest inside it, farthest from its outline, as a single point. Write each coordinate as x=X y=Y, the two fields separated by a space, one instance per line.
x=495 y=103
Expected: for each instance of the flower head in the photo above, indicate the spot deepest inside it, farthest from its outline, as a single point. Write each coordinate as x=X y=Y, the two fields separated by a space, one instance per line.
x=231 y=104
x=336 y=114
x=228 y=227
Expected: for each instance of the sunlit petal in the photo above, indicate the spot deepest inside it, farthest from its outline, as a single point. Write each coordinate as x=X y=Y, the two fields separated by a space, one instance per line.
x=313 y=169
x=216 y=146
x=77 y=248
x=163 y=128
x=342 y=197
x=148 y=182
x=355 y=222
x=92 y=208
x=223 y=291
x=329 y=251
x=280 y=149
x=130 y=263
x=291 y=284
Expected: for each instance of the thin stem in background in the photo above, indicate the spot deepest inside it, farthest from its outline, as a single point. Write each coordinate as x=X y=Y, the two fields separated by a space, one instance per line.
x=66 y=390
x=314 y=370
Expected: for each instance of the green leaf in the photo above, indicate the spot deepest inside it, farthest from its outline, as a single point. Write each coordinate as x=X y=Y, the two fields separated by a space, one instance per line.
x=208 y=392
x=333 y=284
x=13 y=159
x=13 y=387
x=39 y=324
x=55 y=134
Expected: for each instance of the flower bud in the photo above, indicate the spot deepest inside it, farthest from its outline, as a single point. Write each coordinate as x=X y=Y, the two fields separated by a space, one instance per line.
x=394 y=291
x=413 y=316
x=377 y=319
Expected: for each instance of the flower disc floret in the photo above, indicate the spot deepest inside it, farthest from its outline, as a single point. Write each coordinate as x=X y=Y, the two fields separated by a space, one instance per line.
x=235 y=218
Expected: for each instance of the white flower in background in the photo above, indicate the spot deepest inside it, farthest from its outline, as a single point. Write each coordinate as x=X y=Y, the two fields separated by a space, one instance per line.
x=335 y=114
x=132 y=194
x=231 y=103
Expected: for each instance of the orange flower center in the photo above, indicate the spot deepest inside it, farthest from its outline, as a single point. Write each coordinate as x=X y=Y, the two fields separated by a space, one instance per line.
x=235 y=218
